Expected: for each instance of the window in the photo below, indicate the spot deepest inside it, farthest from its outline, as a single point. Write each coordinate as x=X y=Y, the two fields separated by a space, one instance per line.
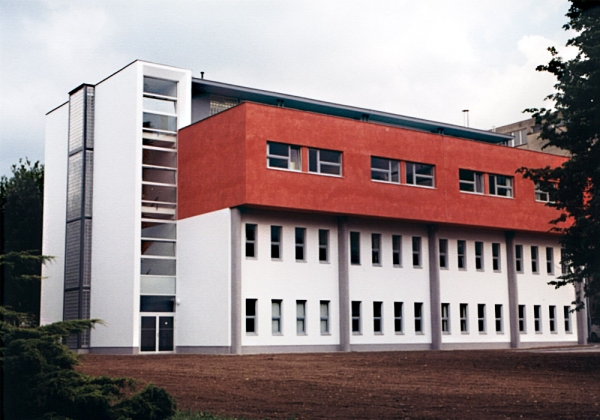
x=461 y=254
x=519 y=258
x=496 y=257
x=251 y=316
x=567 y=312
x=481 y=317
x=385 y=170
x=501 y=185
x=552 y=318
x=443 y=253
x=276 y=316
x=564 y=263
x=470 y=181
x=397 y=250
x=300 y=242
x=276 y=242
x=327 y=162
x=498 y=313
x=250 y=240
x=160 y=87
x=283 y=156
x=355 y=248
x=446 y=318
x=300 y=317
x=537 y=318
x=355 y=317
x=519 y=138
x=324 y=304
x=398 y=317
x=377 y=318
x=464 y=318
x=550 y=260
x=420 y=174
x=522 y=324
x=418 y=317
x=541 y=195
x=323 y=245
x=479 y=256
x=534 y=260
x=416 y=251
x=376 y=249
x=157 y=303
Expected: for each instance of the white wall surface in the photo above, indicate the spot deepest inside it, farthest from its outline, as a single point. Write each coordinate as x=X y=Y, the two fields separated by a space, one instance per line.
x=388 y=284
x=55 y=203
x=290 y=280
x=203 y=314
x=535 y=290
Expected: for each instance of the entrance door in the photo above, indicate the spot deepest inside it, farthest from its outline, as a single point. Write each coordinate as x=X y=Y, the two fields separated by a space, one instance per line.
x=157 y=333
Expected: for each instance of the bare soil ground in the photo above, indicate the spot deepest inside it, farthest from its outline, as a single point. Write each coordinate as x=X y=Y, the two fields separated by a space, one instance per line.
x=387 y=385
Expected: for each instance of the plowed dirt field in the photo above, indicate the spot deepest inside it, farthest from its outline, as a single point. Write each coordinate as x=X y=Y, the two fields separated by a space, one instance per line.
x=388 y=385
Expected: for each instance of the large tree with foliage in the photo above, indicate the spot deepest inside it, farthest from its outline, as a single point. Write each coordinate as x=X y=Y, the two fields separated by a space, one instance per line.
x=21 y=209
x=573 y=124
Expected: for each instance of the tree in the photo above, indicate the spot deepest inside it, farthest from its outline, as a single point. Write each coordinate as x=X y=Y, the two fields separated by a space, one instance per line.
x=574 y=125
x=21 y=210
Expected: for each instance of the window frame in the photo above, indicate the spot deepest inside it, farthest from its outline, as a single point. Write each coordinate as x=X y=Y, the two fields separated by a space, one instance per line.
x=277 y=317
x=324 y=318
x=378 y=318
x=477 y=182
x=445 y=315
x=251 y=242
x=323 y=245
x=418 y=317
x=276 y=248
x=567 y=316
x=253 y=317
x=300 y=244
x=481 y=321
x=499 y=318
x=314 y=158
x=519 y=266
x=412 y=177
x=376 y=249
x=496 y=257
x=495 y=187
x=461 y=255
x=356 y=324
x=464 y=318
x=354 y=248
x=393 y=169
x=291 y=162
x=417 y=252
x=537 y=319
x=443 y=254
x=397 y=250
x=398 y=321
x=522 y=316
x=479 y=256
x=301 y=317
x=550 y=260
x=552 y=318
x=535 y=263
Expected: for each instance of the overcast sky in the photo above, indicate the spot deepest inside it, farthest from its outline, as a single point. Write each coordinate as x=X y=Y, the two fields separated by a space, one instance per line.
x=429 y=58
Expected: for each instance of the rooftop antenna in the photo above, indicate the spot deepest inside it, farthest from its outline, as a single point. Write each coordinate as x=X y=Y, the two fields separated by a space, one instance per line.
x=202 y=75
x=466 y=114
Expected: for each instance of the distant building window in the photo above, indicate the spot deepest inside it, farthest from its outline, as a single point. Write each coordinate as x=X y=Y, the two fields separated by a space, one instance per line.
x=537 y=318
x=479 y=256
x=250 y=240
x=501 y=185
x=519 y=258
x=160 y=87
x=398 y=317
x=464 y=318
x=461 y=247
x=522 y=323
x=251 y=316
x=418 y=307
x=550 y=260
x=276 y=242
x=496 y=257
x=416 y=251
x=300 y=317
x=443 y=253
x=397 y=250
x=420 y=174
x=541 y=195
x=567 y=312
x=385 y=170
x=519 y=138
x=221 y=103
x=283 y=156
x=276 y=316
x=498 y=313
x=355 y=248
x=324 y=304
x=446 y=318
x=376 y=249
x=328 y=162
x=300 y=238
x=470 y=181
x=534 y=260
x=564 y=263
x=552 y=318
x=323 y=245
x=355 y=317
x=481 y=317
x=377 y=317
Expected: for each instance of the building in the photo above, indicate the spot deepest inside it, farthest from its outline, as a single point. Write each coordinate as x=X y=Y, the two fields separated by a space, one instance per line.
x=193 y=216
x=526 y=135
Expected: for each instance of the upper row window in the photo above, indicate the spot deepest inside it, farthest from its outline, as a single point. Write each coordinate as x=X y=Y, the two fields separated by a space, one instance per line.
x=501 y=185
x=388 y=170
x=283 y=156
x=287 y=156
x=325 y=161
x=160 y=87
x=472 y=181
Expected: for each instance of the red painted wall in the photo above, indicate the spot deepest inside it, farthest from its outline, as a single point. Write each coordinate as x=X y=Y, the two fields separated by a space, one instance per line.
x=222 y=164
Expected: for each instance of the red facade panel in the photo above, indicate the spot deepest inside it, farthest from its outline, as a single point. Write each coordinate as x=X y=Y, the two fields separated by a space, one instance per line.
x=223 y=164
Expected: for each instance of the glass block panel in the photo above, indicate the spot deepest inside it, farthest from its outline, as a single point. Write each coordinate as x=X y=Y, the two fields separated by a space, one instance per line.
x=89 y=117
x=160 y=86
x=89 y=182
x=76 y=120
x=87 y=252
x=157 y=267
x=160 y=122
x=153 y=285
x=159 y=230
x=71 y=305
x=72 y=254
x=159 y=158
x=221 y=103
x=74 y=188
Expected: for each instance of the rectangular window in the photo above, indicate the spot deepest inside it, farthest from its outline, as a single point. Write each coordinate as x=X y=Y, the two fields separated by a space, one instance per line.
x=251 y=316
x=567 y=313
x=418 y=317
x=276 y=242
x=160 y=87
x=276 y=316
x=300 y=243
x=385 y=170
x=420 y=174
x=355 y=248
x=443 y=253
x=470 y=181
x=537 y=318
x=479 y=256
x=398 y=317
x=461 y=253
x=550 y=260
x=534 y=260
x=498 y=313
x=355 y=317
x=501 y=185
x=376 y=248
x=323 y=245
x=324 y=307
x=522 y=321
x=481 y=317
x=283 y=156
x=327 y=162
x=416 y=251
x=377 y=317
x=541 y=195
x=464 y=318
x=397 y=250
x=496 y=257
x=250 y=240
x=552 y=318
x=446 y=318
x=519 y=258
x=157 y=303
x=300 y=317
x=564 y=263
